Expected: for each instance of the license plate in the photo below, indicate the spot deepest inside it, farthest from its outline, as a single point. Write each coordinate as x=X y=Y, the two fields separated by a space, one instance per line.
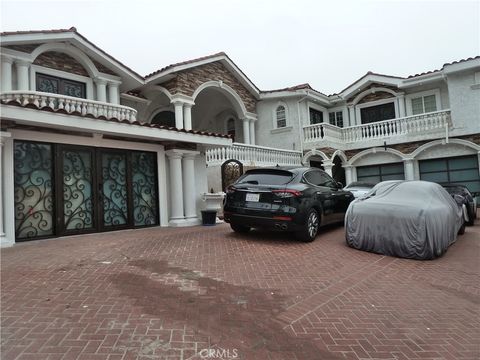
x=252 y=197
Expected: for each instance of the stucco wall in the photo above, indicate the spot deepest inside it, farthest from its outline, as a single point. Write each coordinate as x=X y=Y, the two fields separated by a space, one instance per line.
x=464 y=103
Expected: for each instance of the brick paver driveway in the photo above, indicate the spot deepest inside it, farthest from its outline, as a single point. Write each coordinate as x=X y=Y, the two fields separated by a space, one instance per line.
x=207 y=293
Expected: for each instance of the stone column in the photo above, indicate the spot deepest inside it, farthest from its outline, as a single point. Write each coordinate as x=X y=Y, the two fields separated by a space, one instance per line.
x=113 y=95
x=187 y=116
x=252 y=132
x=101 y=90
x=189 y=199
x=348 y=174
x=401 y=106
x=327 y=166
x=246 y=131
x=176 y=188
x=7 y=199
x=178 y=114
x=351 y=112
x=409 y=169
x=6 y=84
x=23 y=82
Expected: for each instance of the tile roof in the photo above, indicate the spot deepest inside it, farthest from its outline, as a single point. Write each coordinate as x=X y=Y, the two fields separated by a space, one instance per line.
x=71 y=30
x=186 y=62
x=134 y=123
x=305 y=86
x=443 y=66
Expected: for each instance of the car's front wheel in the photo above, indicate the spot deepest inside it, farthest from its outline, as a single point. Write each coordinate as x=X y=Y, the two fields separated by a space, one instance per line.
x=310 y=229
x=242 y=229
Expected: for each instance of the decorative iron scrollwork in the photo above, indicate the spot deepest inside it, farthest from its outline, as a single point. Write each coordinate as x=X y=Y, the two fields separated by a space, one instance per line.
x=231 y=171
x=77 y=190
x=145 y=210
x=114 y=173
x=33 y=190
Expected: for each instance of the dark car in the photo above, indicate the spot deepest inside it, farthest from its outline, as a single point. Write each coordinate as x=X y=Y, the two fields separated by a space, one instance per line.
x=297 y=199
x=468 y=199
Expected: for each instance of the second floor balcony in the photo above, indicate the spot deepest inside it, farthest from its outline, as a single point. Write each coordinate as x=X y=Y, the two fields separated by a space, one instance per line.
x=69 y=104
x=411 y=128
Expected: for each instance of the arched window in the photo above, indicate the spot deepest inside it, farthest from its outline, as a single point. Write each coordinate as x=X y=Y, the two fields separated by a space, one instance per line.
x=165 y=118
x=281 y=117
x=231 y=128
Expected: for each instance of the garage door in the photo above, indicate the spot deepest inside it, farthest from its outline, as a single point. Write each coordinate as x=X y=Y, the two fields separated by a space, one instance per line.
x=377 y=173
x=462 y=170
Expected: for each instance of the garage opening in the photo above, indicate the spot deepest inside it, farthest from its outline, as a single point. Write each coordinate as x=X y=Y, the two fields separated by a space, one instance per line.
x=460 y=170
x=377 y=173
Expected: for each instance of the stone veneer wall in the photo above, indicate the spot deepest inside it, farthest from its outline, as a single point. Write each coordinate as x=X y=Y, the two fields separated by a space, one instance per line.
x=60 y=61
x=187 y=81
x=379 y=95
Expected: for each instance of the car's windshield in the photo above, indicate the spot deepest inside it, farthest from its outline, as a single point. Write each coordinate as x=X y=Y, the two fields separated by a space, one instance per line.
x=266 y=177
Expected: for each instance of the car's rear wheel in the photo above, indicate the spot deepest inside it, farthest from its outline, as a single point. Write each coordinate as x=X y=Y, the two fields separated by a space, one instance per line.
x=242 y=229
x=310 y=229
x=471 y=218
x=462 y=229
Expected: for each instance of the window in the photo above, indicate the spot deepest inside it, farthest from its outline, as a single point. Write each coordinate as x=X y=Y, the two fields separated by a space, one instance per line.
x=336 y=118
x=319 y=178
x=57 y=85
x=231 y=128
x=281 y=116
x=377 y=113
x=316 y=117
x=424 y=104
x=266 y=177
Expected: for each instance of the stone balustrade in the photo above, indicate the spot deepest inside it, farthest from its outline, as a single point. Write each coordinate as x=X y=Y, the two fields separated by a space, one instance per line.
x=70 y=104
x=252 y=155
x=405 y=129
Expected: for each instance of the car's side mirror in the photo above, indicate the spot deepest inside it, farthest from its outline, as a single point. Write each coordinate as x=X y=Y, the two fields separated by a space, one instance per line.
x=339 y=185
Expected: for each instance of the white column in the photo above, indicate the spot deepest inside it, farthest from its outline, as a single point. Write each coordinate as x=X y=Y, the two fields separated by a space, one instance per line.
x=178 y=114
x=348 y=174
x=327 y=166
x=113 y=96
x=409 y=169
x=22 y=75
x=252 y=132
x=101 y=90
x=401 y=106
x=7 y=238
x=190 y=198
x=246 y=131
x=351 y=112
x=162 y=187
x=176 y=188
x=6 y=82
x=187 y=116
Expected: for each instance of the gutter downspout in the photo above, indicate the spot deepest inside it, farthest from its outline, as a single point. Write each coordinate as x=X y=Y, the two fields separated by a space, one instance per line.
x=300 y=127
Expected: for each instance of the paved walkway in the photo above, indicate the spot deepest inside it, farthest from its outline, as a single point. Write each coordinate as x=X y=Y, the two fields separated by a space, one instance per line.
x=207 y=293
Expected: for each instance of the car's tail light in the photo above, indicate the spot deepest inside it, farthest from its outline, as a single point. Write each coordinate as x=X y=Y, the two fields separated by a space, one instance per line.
x=231 y=189
x=286 y=193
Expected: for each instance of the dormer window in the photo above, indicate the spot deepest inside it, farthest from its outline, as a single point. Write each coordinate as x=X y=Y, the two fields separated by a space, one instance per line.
x=281 y=117
x=57 y=85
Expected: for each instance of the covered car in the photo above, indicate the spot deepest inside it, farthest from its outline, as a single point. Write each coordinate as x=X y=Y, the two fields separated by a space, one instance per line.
x=409 y=219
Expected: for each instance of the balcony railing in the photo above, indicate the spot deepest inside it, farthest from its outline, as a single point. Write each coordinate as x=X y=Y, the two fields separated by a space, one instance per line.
x=70 y=104
x=401 y=128
x=252 y=155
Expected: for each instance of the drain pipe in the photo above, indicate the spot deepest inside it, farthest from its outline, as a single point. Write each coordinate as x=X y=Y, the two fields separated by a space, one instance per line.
x=300 y=127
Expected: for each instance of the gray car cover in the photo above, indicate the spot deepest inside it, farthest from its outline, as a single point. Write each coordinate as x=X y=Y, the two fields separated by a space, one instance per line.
x=410 y=219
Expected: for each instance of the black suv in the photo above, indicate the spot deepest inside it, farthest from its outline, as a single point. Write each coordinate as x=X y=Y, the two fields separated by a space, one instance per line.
x=298 y=199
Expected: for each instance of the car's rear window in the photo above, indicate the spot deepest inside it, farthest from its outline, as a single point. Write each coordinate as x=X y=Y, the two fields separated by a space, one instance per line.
x=266 y=177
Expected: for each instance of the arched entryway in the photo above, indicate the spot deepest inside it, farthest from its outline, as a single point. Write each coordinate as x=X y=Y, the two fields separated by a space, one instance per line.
x=164 y=118
x=220 y=109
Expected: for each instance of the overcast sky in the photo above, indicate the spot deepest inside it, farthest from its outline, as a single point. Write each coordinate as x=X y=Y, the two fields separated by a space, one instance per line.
x=328 y=44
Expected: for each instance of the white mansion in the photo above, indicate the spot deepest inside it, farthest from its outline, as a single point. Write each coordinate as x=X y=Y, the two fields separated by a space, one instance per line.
x=89 y=145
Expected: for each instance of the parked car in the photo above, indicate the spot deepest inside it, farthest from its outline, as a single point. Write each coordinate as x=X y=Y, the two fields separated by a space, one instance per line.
x=467 y=198
x=297 y=199
x=410 y=219
x=359 y=188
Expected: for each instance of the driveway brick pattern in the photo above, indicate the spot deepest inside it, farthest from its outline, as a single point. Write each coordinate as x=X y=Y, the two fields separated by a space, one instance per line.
x=207 y=293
